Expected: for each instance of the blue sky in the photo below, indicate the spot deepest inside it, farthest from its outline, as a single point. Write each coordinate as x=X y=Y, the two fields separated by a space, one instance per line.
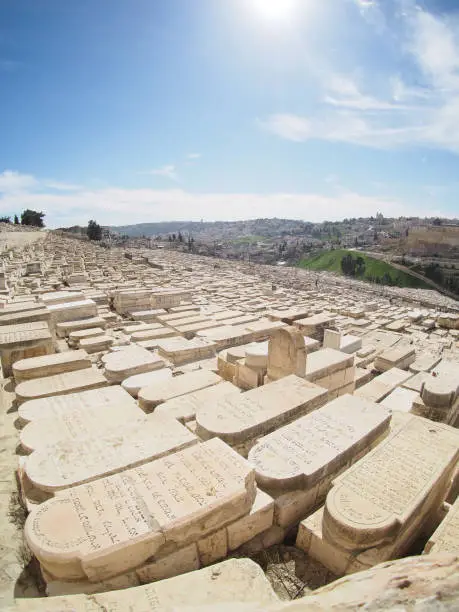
x=132 y=111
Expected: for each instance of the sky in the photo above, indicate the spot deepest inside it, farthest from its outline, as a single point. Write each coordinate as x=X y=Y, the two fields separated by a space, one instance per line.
x=136 y=111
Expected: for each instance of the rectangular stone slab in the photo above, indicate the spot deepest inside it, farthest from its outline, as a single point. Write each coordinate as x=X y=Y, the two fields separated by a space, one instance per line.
x=58 y=405
x=130 y=361
x=212 y=586
x=301 y=454
x=60 y=384
x=378 y=388
x=184 y=408
x=67 y=327
x=48 y=365
x=118 y=447
x=153 y=395
x=236 y=419
x=445 y=539
x=112 y=525
x=400 y=482
x=79 y=420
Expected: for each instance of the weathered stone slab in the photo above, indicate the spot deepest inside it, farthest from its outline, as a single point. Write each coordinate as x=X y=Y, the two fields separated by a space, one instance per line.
x=60 y=297
x=96 y=344
x=112 y=525
x=133 y=384
x=184 y=408
x=315 y=326
x=94 y=453
x=60 y=384
x=67 y=327
x=71 y=311
x=181 y=350
x=378 y=388
x=400 y=399
x=376 y=509
x=129 y=361
x=297 y=463
x=241 y=418
x=445 y=539
x=48 y=365
x=84 y=419
x=76 y=336
x=213 y=586
x=286 y=354
x=153 y=395
x=23 y=341
x=398 y=357
x=58 y=406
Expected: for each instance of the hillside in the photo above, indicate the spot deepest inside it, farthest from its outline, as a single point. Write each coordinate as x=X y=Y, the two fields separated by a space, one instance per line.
x=372 y=270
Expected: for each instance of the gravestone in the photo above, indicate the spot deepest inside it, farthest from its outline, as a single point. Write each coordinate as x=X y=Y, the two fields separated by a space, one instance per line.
x=297 y=463
x=48 y=365
x=115 y=524
x=60 y=384
x=240 y=419
x=129 y=361
x=286 y=354
x=94 y=453
x=376 y=509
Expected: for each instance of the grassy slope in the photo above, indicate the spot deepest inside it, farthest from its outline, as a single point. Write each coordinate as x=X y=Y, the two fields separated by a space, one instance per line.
x=330 y=261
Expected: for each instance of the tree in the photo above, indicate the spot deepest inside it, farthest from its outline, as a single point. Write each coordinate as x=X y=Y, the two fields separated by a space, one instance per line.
x=94 y=231
x=5 y=220
x=16 y=220
x=32 y=217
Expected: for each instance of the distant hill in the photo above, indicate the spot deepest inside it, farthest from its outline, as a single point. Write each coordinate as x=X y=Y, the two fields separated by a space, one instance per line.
x=227 y=229
x=373 y=270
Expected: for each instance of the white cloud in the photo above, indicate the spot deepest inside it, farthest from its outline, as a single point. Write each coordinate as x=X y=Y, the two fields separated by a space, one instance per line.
x=117 y=206
x=60 y=186
x=169 y=171
x=290 y=127
x=12 y=181
x=194 y=156
x=406 y=115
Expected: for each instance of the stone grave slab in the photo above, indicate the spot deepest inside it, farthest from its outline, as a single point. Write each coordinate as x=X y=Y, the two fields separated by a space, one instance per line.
x=286 y=354
x=71 y=311
x=376 y=509
x=400 y=399
x=240 y=419
x=96 y=344
x=56 y=406
x=48 y=365
x=23 y=341
x=82 y=419
x=110 y=526
x=76 y=336
x=65 y=328
x=180 y=350
x=60 y=384
x=153 y=395
x=133 y=384
x=184 y=408
x=445 y=539
x=129 y=361
x=399 y=357
x=378 y=388
x=297 y=463
x=94 y=452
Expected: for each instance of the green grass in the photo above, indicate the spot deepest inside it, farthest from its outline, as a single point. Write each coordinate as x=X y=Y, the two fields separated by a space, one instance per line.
x=248 y=239
x=330 y=261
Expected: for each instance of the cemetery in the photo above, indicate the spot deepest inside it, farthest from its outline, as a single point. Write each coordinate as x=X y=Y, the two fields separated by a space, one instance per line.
x=169 y=431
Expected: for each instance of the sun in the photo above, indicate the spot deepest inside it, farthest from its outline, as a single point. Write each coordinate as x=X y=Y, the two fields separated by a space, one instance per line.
x=274 y=10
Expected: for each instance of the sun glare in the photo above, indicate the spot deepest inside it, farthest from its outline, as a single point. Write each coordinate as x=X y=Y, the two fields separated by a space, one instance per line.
x=275 y=10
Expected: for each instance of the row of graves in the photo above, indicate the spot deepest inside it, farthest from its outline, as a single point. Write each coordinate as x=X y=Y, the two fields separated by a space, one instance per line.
x=173 y=411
